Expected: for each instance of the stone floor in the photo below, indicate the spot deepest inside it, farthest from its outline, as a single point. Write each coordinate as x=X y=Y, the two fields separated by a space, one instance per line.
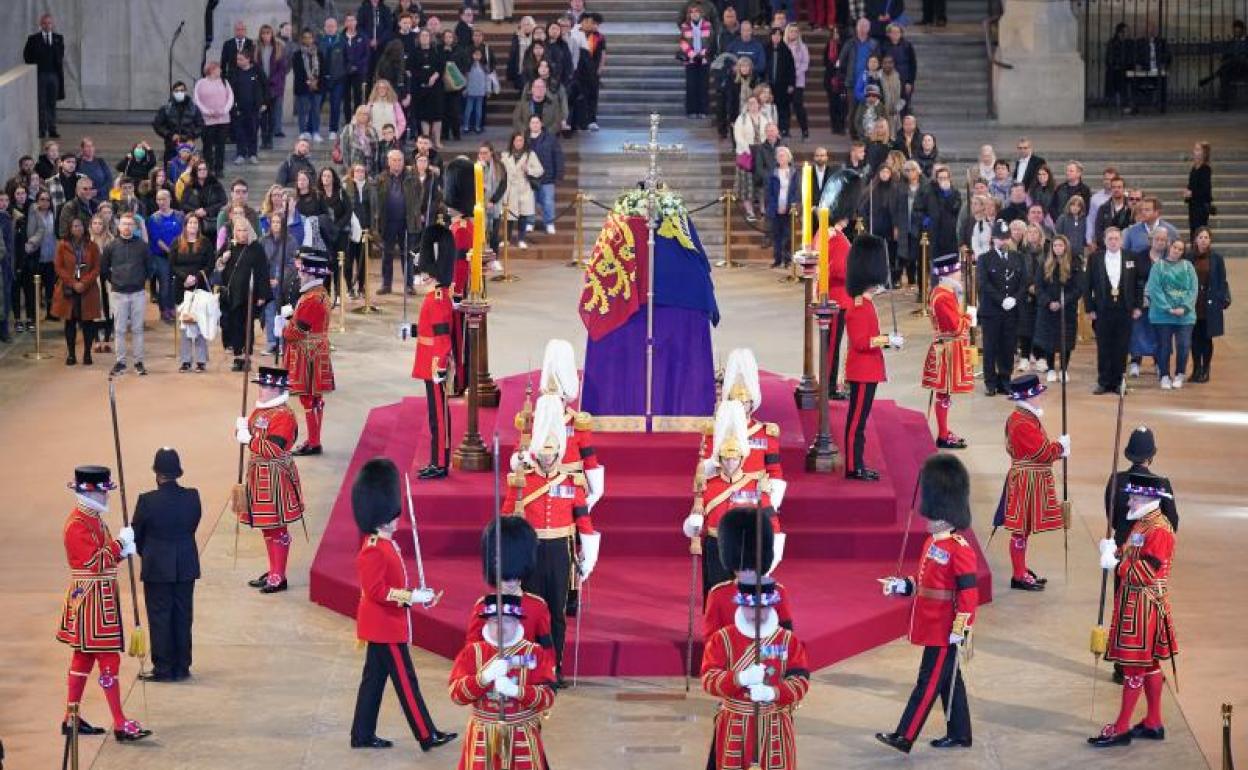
x=275 y=676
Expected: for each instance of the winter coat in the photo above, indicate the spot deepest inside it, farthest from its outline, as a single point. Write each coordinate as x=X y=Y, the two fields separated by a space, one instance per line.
x=519 y=199
x=67 y=272
x=1048 y=332
x=1214 y=295
x=1172 y=285
x=290 y=168
x=181 y=118
x=550 y=154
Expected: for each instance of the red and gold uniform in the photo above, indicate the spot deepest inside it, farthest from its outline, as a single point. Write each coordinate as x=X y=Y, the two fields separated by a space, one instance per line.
x=274 y=495
x=838 y=261
x=383 y=619
x=783 y=656
x=764 y=456
x=307 y=356
x=1029 y=502
x=948 y=367
x=721 y=607
x=864 y=370
x=719 y=495
x=536 y=621
x=519 y=734
x=433 y=359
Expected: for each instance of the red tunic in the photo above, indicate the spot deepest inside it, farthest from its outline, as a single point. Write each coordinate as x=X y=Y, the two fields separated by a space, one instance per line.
x=91 y=612
x=1031 y=503
x=461 y=275
x=947 y=368
x=274 y=494
x=555 y=505
x=536 y=622
x=720 y=495
x=1142 y=629
x=384 y=614
x=865 y=362
x=307 y=344
x=433 y=335
x=764 y=453
x=838 y=262
x=784 y=657
x=533 y=668
x=945 y=587
x=721 y=607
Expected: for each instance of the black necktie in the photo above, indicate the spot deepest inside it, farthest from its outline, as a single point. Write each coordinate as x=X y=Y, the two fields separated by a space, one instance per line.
x=47 y=36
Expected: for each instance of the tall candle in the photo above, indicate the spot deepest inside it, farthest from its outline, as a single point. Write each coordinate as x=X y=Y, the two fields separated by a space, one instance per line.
x=808 y=175
x=478 y=229
x=823 y=254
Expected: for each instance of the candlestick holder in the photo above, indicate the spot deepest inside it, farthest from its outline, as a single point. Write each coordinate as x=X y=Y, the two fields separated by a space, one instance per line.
x=806 y=393
x=488 y=394
x=472 y=454
x=823 y=456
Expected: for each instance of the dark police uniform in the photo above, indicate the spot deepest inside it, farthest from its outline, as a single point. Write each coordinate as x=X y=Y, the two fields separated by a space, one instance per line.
x=1001 y=274
x=165 y=521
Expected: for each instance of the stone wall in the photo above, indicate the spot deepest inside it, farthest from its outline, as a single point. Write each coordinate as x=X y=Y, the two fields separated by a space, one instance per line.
x=19 y=118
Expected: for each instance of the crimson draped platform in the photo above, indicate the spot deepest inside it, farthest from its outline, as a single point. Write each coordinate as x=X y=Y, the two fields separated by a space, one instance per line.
x=842 y=534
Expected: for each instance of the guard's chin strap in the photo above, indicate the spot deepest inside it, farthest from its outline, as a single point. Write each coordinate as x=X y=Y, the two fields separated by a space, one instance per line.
x=91 y=505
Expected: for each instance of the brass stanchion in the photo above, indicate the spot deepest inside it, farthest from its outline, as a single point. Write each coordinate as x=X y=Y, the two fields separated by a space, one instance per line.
x=71 y=747
x=823 y=456
x=795 y=245
x=504 y=243
x=472 y=454
x=971 y=292
x=368 y=306
x=488 y=394
x=806 y=393
x=575 y=261
x=37 y=354
x=1228 y=761
x=925 y=274
x=728 y=198
x=342 y=298
x=173 y=352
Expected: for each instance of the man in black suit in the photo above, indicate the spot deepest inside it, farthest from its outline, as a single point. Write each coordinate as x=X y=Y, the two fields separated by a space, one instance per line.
x=231 y=48
x=1112 y=299
x=165 y=521
x=1001 y=281
x=46 y=50
x=1027 y=165
x=822 y=174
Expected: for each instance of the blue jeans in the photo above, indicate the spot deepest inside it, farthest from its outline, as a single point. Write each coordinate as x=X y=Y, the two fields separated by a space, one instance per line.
x=335 y=91
x=270 y=313
x=164 y=282
x=474 y=113
x=1173 y=336
x=781 y=245
x=546 y=199
x=308 y=112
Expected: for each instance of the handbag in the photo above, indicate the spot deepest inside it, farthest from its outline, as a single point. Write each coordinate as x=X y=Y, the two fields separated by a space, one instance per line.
x=452 y=79
x=492 y=86
x=745 y=161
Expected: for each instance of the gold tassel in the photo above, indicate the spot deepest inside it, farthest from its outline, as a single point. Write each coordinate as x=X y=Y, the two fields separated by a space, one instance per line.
x=138 y=643
x=238 y=498
x=1100 y=640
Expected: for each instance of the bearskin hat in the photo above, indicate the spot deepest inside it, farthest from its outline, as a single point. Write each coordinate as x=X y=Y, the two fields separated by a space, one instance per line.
x=945 y=491
x=868 y=264
x=437 y=253
x=840 y=194
x=519 y=549
x=738 y=541
x=375 y=495
x=459 y=186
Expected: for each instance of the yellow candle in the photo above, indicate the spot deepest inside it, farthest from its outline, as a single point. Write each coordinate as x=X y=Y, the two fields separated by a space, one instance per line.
x=478 y=229
x=808 y=175
x=823 y=254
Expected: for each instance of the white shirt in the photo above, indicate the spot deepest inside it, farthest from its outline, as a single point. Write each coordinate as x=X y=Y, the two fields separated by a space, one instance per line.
x=1113 y=268
x=782 y=200
x=981 y=237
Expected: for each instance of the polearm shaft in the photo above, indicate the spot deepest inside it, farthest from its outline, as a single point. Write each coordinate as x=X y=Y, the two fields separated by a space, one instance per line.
x=281 y=282
x=125 y=509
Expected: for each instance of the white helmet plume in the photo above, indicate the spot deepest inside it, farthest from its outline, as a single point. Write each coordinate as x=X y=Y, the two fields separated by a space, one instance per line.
x=559 y=374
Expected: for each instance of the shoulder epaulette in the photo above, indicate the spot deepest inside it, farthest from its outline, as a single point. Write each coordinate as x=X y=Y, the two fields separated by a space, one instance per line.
x=583 y=421
x=961 y=540
x=708 y=427
x=772 y=429
x=535 y=597
x=372 y=540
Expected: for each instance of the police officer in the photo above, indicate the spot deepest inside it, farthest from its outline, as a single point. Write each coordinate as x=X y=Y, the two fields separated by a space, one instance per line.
x=165 y=521
x=1001 y=282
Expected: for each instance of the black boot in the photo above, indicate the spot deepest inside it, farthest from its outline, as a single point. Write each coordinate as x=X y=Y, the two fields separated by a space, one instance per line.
x=84 y=728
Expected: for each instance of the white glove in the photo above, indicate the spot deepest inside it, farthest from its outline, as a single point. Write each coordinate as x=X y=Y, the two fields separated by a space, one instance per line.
x=751 y=675
x=956 y=638
x=973 y=312
x=422 y=595
x=896 y=341
x=777 y=550
x=243 y=436
x=762 y=693
x=1064 y=440
x=128 y=549
x=709 y=468
x=507 y=687
x=279 y=326
x=497 y=669
x=776 y=490
x=589 y=553
x=596 y=480
x=894 y=586
x=1109 y=550
x=240 y=423
x=693 y=524
x=1008 y=303
x=287 y=311
x=126 y=536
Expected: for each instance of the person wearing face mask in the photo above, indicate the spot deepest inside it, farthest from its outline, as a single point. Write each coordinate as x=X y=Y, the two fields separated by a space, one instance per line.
x=1029 y=500
x=1141 y=632
x=178 y=121
x=555 y=503
x=946 y=596
x=91 y=613
x=384 y=618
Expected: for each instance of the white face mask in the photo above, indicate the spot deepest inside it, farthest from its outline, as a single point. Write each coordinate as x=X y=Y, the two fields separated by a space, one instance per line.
x=179 y=96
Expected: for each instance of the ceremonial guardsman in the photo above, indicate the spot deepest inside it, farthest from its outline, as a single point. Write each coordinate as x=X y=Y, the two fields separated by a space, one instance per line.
x=305 y=329
x=948 y=367
x=840 y=196
x=384 y=616
x=1029 y=501
x=1141 y=633
x=508 y=680
x=720 y=605
x=864 y=365
x=753 y=662
x=91 y=613
x=433 y=342
x=560 y=378
x=741 y=384
x=554 y=502
x=945 y=598
x=273 y=498
x=519 y=556
x=730 y=487
x=461 y=234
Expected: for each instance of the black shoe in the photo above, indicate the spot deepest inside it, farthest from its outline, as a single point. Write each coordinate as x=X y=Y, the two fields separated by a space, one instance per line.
x=152 y=676
x=138 y=367
x=237 y=366
x=133 y=732
x=1107 y=738
x=54 y=134
x=435 y=472
x=1117 y=677
x=1025 y=585
x=951 y=442
x=990 y=390
x=201 y=367
x=862 y=474
x=840 y=395
x=71 y=360
x=259 y=582
x=439 y=738
x=949 y=742
x=305 y=450
x=84 y=728
x=185 y=367
x=1149 y=733
x=273 y=589
x=117 y=369
x=1100 y=390
x=1037 y=578
x=560 y=683
x=899 y=742
x=383 y=290
x=86 y=357
x=371 y=743
x=181 y=676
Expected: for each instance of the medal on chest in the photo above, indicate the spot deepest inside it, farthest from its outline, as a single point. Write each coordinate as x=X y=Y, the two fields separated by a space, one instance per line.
x=937 y=554
x=563 y=492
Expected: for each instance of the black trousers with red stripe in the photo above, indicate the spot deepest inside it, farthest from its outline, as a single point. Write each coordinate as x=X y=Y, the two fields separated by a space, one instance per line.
x=835 y=335
x=390 y=661
x=861 y=397
x=439 y=424
x=551 y=579
x=934 y=673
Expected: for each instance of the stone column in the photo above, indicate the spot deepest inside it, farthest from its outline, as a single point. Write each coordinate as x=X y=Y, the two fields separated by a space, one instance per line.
x=19 y=118
x=1045 y=87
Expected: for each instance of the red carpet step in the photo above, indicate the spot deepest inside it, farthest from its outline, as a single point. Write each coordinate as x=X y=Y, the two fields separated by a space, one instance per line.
x=842 y=534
